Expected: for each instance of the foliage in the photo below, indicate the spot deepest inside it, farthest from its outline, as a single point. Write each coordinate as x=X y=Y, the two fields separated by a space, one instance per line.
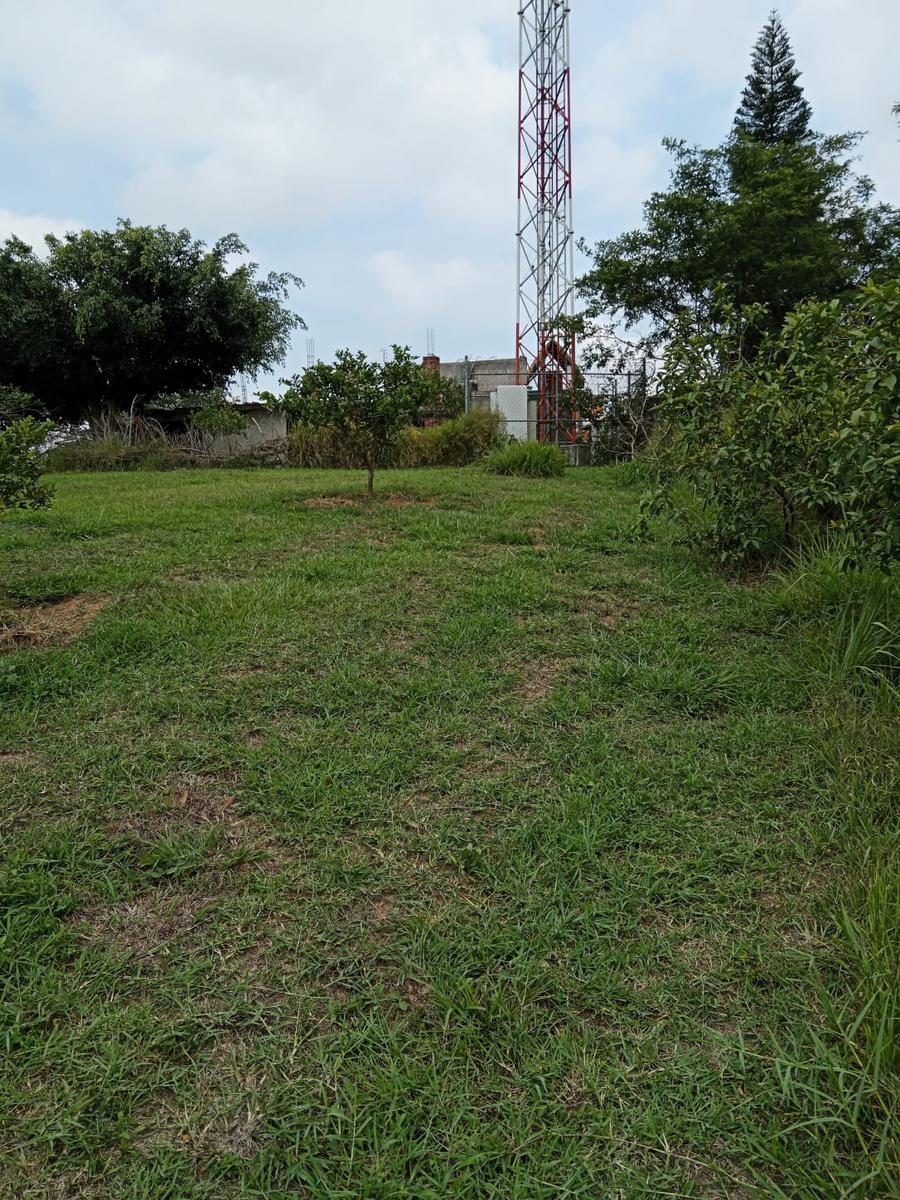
x=623 y=418
x=773 y=108
x=116 y=318
x=38 y=351
x=365 y=404
x=806 y=433
x=442 y=399
x=15 y=404
x=156 y=454
x=771 y=224
x=458 y=443
x=119 y=454
x=22 y=464
x=532 y=459
x=215 y=417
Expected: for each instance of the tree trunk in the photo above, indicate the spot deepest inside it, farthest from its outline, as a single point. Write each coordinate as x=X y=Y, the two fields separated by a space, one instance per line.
x=371 y=486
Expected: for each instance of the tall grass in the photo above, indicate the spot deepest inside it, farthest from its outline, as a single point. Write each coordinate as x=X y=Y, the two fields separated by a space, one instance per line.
x=839 y=1081
x=531 y=459
x=853 y=615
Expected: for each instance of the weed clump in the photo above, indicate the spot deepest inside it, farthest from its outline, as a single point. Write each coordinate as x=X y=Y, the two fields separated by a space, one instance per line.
x=531 y=459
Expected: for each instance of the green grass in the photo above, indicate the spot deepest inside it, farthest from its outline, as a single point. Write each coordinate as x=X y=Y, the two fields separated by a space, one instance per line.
x=529 y=459
x=456 y=844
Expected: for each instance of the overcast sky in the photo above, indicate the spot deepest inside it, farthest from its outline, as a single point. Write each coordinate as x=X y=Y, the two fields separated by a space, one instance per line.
x=370 y=146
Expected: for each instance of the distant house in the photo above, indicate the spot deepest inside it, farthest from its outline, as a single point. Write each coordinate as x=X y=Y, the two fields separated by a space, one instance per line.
x=264 y=425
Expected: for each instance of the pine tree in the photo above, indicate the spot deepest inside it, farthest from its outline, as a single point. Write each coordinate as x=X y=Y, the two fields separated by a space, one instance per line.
x=773 y=107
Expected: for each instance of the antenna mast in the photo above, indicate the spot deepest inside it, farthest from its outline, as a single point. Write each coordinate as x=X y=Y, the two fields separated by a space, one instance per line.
x=545 y=341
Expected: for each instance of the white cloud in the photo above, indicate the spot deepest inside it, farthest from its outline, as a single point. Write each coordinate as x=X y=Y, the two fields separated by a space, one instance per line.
x=371 y=147
x=32 y=227
x=275 y=112
x=412 y=285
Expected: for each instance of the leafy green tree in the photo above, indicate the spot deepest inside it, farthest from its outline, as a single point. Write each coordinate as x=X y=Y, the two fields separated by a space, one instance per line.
x=773 y=107
x=38 y=351
x=442 y=399
x=125 y=315
x=803 y=434
x=367 y=404
x=771 y=224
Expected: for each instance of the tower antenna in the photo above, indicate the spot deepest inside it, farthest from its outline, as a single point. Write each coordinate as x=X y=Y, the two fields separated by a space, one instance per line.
x=545 y=338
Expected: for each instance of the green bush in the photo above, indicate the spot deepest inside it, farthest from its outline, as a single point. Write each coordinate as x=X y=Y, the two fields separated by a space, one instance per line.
x=16 y=404
x=804 y=435
x=115 y=455
x=456 y=443
x=22 y=464
x=527 y=458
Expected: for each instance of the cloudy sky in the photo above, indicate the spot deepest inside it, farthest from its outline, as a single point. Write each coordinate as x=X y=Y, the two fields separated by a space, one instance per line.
x=370 y=146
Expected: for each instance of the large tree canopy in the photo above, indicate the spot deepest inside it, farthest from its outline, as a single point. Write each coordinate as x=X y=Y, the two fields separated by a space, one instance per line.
x=771 y=224
x=773 y=108
x=115 y=318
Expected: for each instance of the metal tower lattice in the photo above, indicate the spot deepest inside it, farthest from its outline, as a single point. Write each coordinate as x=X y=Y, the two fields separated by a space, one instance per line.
x=545 y=343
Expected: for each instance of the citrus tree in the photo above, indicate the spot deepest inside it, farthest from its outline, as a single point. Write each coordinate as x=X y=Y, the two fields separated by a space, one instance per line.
x=367 y=404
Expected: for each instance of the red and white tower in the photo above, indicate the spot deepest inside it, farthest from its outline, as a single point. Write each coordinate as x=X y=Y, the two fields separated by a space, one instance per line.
x=545 y=343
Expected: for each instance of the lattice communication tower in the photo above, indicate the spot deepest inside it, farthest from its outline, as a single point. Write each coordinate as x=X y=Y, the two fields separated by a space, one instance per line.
x=545 y=341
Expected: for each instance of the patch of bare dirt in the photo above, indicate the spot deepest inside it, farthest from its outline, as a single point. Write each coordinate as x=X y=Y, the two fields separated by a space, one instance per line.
x=379 y=499
x=222 y=1115
x=203 y=800
x=50 y=624
x=395 y=500
x=333 y=502
x=16 y=758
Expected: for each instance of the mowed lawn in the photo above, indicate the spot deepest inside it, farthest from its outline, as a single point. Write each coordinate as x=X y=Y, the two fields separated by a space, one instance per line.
x=458 y=844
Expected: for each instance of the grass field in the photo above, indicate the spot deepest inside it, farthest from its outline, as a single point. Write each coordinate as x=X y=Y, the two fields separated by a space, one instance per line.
x=459 y=844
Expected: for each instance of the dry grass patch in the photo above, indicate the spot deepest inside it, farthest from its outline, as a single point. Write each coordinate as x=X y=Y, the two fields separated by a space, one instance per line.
x=539 y=677
x=17 y=758
x=330 y=502
x=221 y=1117
x=149 y=923
x=50 y=624
x=612 y=612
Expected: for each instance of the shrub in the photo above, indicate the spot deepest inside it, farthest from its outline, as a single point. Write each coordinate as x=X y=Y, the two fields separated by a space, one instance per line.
x=113 y=454
x=533 y=459
x=457 y=443
x=22 y=464
x=321 y=448
x=804 y=435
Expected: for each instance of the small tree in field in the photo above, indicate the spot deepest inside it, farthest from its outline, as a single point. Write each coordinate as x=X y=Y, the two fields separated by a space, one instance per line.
x=22 y=463
x=367 y=404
